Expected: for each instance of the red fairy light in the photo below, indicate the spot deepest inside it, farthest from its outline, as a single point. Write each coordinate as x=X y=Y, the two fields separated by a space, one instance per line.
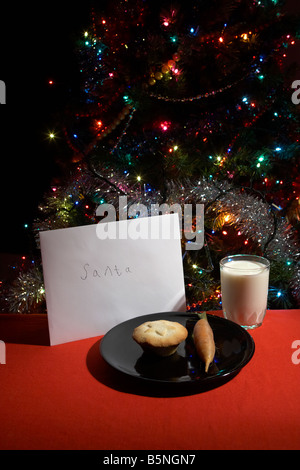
x=165 y=125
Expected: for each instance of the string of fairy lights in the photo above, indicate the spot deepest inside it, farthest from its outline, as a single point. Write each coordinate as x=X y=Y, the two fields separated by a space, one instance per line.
x=93 y=41
x=115 y=91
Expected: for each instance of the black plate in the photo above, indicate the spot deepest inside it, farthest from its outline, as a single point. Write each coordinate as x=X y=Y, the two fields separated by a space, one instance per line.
x=234 y=349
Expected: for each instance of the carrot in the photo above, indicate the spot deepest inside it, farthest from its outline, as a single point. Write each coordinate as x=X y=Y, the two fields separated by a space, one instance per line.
x=204 y=340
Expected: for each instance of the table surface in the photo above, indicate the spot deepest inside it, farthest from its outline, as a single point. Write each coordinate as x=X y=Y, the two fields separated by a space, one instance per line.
x=67 y=397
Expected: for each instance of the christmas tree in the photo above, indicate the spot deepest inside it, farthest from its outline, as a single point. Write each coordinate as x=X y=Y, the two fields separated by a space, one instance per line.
x=186 y=103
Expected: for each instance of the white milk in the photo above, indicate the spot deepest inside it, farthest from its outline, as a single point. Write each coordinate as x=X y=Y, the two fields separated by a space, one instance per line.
x=244 y=285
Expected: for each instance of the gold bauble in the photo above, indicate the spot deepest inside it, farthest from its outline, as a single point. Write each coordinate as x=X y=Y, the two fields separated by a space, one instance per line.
x=158 y=75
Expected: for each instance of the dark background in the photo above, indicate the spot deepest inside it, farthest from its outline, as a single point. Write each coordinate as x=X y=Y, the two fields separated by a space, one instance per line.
x=37 y=45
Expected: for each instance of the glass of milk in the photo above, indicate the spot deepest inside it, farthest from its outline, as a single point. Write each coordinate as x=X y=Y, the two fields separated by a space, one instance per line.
x=244 y=287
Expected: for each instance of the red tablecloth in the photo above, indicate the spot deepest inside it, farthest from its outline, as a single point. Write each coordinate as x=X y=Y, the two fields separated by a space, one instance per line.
x=66 y=397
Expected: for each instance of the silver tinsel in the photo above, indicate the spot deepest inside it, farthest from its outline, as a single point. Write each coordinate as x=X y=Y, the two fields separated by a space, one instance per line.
x=295 y=284
x=247 y=211
x=241 y=207
x=27 y=291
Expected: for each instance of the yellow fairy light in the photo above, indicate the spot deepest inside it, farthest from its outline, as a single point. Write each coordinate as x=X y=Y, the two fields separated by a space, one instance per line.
x=138 y=178
x=51 y=135
x=226 y=218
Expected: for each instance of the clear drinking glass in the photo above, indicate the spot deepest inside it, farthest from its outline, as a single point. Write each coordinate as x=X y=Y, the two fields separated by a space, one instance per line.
x=244 y=287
